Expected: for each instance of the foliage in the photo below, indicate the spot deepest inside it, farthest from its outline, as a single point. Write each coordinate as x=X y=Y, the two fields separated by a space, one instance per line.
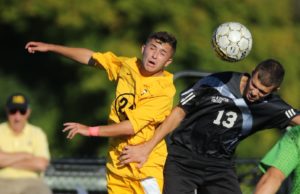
x=62 y=90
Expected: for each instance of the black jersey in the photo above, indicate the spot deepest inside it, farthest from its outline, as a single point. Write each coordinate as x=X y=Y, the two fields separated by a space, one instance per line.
x=218 y=117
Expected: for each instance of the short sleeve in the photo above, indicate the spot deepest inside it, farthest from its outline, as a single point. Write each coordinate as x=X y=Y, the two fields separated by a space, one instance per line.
x=282 y=113
x=110 y=62
x=284 y=155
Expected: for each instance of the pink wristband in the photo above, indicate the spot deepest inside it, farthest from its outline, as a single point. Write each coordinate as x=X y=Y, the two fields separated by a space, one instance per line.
x=93 y=131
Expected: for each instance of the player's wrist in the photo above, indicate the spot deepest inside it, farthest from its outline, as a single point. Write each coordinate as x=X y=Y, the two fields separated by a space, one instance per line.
x=149 y=146
x=94 y=131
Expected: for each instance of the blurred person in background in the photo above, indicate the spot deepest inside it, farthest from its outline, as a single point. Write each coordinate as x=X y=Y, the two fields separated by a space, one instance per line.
x=24 y=153
x=280 y=162
x=143 y=99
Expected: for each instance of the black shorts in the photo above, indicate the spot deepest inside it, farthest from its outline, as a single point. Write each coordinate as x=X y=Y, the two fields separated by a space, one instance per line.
x=200 y=177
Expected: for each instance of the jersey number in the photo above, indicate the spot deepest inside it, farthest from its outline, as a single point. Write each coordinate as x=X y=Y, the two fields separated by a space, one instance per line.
x=227 y=120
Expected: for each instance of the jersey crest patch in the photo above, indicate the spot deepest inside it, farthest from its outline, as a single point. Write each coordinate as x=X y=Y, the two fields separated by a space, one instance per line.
x=219 y=99
x=123 y=102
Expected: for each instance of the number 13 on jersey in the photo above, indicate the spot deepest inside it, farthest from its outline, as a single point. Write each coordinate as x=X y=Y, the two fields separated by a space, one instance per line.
x=226 y=119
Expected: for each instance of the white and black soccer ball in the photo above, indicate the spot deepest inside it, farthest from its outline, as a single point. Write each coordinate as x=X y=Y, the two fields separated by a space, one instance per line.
x=232 y=41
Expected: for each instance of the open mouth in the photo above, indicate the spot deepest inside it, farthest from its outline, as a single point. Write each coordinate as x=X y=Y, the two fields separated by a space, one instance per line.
x=152 y=63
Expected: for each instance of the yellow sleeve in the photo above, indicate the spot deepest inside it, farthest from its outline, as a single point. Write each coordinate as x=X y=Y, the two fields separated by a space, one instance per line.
x=150 y=111
x=110 y=62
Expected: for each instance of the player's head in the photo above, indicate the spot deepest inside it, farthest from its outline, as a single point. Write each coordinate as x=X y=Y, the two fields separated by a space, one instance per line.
x=270 y=72
x=158 y=53
x=18 y=111
x=266 y=78
x=163 y=37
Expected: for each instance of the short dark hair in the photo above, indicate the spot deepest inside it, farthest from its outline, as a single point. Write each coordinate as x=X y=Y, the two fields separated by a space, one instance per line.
x=270 y=72
x=164 y=37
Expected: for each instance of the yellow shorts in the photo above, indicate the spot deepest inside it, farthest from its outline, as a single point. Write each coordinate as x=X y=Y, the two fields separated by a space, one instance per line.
x=120 y=185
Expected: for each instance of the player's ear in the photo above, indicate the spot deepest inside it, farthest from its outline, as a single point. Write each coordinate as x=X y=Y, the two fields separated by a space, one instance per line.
x=143 y=48
x=169 y=61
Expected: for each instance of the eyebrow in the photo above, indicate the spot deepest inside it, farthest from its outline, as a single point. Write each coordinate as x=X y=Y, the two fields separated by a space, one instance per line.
x=260 y=90
x=162 y=50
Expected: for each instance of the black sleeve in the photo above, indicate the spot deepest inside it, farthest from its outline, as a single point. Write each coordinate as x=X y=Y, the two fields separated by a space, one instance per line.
x=191 y=97
x=280 y=113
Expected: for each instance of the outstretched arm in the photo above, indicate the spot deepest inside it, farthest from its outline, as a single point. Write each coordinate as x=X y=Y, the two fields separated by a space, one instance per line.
x=296 y=120
x=270 y=182
x=80 y=55
x=118 y=129
x=140 y=153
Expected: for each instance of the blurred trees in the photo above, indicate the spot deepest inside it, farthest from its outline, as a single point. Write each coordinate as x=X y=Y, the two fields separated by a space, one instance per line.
x=62 y=90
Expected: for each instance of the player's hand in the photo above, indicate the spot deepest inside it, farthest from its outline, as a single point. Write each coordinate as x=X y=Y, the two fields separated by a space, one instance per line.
x=32 y=47
x=75 y=128
x=137 y=154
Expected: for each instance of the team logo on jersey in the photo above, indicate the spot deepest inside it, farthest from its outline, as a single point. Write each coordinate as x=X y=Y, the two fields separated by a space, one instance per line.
x=219 y=99
x=123 y=102
x=145 y=91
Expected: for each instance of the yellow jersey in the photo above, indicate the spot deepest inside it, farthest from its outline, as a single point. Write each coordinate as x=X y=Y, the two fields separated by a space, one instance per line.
x=145 y=102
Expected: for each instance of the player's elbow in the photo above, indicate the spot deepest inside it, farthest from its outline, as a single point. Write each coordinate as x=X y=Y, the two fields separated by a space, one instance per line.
x=126 y=128
x=129 y=132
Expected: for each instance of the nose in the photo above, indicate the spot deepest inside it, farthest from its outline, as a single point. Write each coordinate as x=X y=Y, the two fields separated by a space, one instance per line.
x=254 y=92
x=155 y=54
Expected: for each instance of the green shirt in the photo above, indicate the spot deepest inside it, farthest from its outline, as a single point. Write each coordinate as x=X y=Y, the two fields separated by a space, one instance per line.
x=284 y=156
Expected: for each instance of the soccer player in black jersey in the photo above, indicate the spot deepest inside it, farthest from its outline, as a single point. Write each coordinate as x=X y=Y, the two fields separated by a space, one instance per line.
x=211 y=119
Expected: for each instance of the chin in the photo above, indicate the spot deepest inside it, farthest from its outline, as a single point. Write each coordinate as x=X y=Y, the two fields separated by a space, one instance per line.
x=249 y=99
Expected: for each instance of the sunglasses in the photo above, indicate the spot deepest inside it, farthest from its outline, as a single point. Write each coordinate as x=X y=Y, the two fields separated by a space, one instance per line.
x=15 y=110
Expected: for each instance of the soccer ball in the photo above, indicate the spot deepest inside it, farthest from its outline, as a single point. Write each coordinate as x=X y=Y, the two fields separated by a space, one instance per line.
x=232 y=41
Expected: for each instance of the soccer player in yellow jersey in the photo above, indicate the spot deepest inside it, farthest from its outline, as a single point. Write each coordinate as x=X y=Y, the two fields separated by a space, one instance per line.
x=143 y=99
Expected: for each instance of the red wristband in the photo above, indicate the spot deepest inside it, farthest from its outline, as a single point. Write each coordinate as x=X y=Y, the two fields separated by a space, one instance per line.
x=94 y=131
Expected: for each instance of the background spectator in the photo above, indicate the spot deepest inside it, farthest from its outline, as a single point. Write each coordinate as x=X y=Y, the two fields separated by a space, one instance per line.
x=24 y=153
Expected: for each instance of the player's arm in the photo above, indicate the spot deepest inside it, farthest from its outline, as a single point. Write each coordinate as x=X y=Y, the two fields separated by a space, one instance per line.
x=118 y=129
x=296 y=120
x=140 y=153
x=270 y=182
x=80 y=55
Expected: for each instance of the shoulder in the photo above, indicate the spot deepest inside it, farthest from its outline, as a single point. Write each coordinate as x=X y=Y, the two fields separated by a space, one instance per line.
x=275 y=100
x=164 y=85
x=4 y=127
x=224 y=77
x=35 y=129
x=99 y=56
x=226 y=74
x=293 y=133
x=4 y=124
x=219 y=79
